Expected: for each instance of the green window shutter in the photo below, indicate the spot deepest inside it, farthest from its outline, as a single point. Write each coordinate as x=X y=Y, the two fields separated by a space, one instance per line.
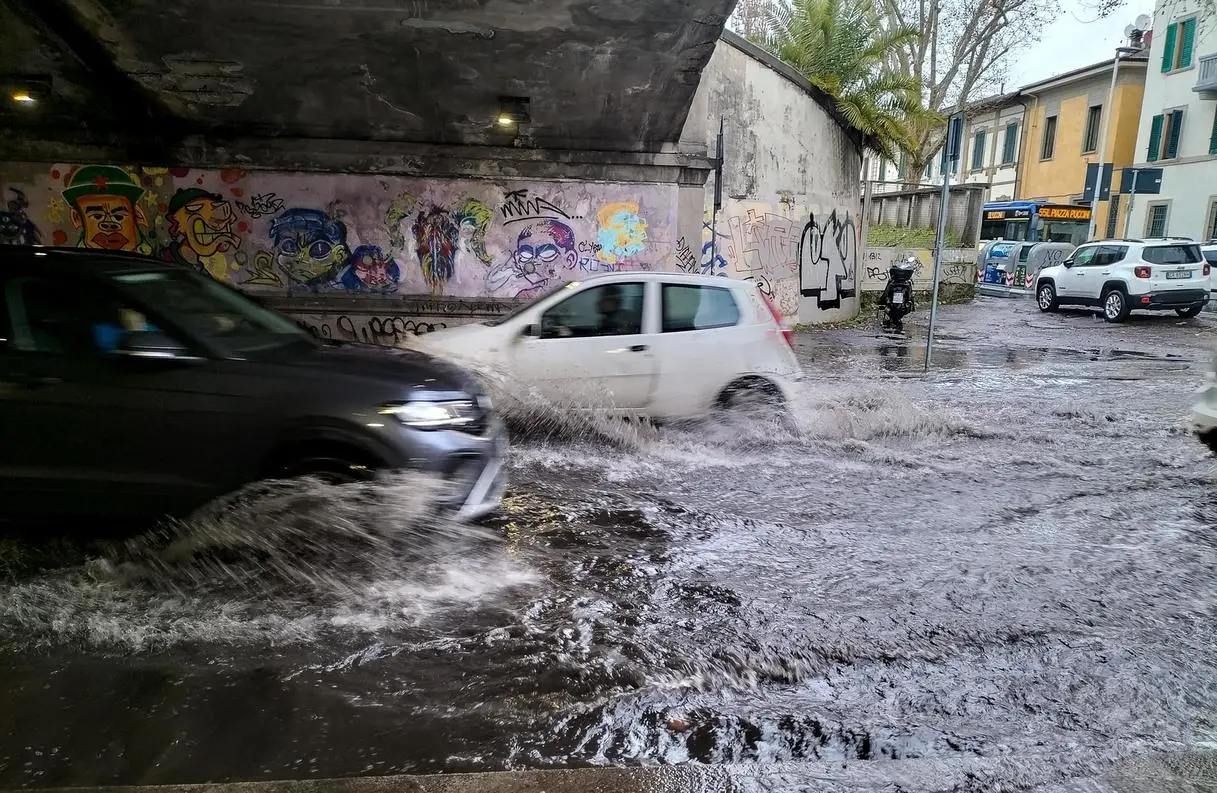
x=1213 y=135
x=883 y=170
x=1168 y=49
x=1187 y=42
x=1011 y=139
x=1172 y=140
x=1155 y=139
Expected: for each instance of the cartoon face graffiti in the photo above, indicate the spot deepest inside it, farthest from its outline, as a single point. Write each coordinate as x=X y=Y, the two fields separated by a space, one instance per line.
x=436 y=240
x=202 y=224
x=371 y=269
x=104 y=201
x=542 y=248
x=310 y=246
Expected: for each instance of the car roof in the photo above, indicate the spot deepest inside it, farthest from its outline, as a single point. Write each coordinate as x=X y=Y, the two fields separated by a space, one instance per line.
x=92 y=258
x=1148 y=241
x=654 y=275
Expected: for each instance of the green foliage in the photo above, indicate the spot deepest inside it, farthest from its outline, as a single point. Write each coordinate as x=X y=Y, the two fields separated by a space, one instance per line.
x=901 y=237
x=842 y=47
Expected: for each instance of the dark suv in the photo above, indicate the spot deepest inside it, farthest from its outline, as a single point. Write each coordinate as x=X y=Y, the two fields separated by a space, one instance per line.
x=131 y=387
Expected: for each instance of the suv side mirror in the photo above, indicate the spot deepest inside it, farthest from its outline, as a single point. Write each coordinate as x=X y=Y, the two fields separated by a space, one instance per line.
x=1068 y=262
x=152 y=344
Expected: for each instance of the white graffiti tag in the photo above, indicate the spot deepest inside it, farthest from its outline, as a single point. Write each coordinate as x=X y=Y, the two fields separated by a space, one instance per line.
x=828 y=259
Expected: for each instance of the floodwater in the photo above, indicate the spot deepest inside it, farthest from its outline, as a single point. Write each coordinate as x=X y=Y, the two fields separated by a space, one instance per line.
x=1011 y=558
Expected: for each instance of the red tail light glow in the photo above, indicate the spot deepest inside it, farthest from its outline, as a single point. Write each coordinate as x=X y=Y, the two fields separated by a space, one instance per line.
x=1141 y=272
x=787 y=333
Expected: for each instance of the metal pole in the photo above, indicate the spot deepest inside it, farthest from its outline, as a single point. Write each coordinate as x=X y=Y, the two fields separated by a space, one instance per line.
x=1132 y=195
x=718 y=196
x=940 y=243
x=1109 y=110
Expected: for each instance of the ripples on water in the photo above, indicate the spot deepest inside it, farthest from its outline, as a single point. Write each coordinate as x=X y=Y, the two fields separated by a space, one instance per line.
x=954 y=566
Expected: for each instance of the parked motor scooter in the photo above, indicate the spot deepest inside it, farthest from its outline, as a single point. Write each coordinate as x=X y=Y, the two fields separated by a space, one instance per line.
x=897 y=298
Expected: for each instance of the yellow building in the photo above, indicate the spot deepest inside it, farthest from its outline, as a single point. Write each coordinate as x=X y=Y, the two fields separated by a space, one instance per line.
x=1064 y=124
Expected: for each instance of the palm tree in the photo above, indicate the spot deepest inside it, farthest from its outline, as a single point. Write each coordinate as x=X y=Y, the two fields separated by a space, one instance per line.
x=842 y=47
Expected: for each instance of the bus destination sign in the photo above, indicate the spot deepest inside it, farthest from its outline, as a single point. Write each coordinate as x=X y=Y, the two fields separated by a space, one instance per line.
x=1007 y=214
x=1065 y=213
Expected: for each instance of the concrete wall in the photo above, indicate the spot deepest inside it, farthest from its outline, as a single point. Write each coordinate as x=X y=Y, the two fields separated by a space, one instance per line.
x=791 y=186
x=958 y=267
x=1062 y=177
x=919 y=209
x=300 y=236
x=1189 y=182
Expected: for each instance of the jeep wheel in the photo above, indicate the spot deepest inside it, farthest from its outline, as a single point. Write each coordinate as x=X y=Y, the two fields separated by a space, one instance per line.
x=1115 y=305
x=1045 y=297
x=1190 y=311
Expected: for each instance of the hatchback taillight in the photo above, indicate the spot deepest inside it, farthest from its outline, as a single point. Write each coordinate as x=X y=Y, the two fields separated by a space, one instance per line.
x=787 y=333
x=1141 y=272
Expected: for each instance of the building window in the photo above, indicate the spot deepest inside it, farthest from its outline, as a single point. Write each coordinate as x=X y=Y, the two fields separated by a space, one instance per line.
x=883 y=170
x=1010 y=145
x=978 y=151
x=1164 y=131
x=929 y=169
x=1094 y=117
x=1213 y=134
x=1048 y=147
x=1180 y=41
x=1155 y=221
x=902 y=167
x=1113 y=214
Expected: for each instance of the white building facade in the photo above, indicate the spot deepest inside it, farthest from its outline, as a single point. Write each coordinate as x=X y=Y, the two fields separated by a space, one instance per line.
x=991 y=148
x=1178 y=127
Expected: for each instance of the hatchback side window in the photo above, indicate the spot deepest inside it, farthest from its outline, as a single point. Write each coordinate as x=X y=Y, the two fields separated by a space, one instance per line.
x=1082 y=256
x=609 y=310
x=698 y=308
x=49 y=316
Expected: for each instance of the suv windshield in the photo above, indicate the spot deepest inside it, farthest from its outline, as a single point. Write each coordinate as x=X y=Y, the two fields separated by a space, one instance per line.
x=1172 y=254
x=211 y=311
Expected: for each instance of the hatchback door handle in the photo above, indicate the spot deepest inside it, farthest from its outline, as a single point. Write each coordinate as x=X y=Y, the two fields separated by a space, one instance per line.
x=638 y=348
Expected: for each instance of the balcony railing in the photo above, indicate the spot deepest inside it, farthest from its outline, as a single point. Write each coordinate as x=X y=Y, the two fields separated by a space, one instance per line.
x=1206 y=75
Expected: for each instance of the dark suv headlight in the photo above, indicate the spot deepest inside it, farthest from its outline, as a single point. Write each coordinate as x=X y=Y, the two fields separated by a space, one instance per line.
x=424 y=415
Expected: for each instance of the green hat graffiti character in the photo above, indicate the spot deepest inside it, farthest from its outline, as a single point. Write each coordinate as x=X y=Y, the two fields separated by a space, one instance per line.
x=105 y=209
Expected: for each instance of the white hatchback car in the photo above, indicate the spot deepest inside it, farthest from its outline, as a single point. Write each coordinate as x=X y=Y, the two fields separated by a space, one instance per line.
x=661 y=345
x=1120 y=276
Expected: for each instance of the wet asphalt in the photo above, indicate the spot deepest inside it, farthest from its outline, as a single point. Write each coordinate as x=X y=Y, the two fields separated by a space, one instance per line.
x=1007 y=560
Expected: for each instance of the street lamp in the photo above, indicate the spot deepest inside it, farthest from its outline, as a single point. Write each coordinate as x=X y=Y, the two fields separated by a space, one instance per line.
x=1134 y=34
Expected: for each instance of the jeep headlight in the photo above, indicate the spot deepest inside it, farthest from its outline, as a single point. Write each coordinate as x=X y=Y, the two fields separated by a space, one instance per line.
x=432 y=415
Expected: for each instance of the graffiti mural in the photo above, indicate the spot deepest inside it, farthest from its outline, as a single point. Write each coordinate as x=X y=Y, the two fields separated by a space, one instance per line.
x=16 y=228
x=104 y=206
x=828 y=259
x=202 y=231
x=292 y=233
x=958 y=267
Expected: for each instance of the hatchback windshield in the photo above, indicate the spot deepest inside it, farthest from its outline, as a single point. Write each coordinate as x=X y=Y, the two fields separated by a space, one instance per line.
x=211 y=311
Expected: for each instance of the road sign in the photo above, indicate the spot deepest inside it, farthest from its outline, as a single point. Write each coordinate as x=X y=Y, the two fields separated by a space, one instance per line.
x=1149 y=180
x=1104 y=184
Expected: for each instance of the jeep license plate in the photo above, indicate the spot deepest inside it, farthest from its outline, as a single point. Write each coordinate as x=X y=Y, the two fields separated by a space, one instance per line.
x=898 y=298
x=1173 y=274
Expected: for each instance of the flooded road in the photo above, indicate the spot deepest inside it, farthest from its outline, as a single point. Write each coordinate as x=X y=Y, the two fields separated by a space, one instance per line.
x=1010 y=558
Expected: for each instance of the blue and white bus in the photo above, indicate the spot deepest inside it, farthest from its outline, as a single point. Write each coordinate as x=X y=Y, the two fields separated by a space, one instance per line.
x=1034 y=221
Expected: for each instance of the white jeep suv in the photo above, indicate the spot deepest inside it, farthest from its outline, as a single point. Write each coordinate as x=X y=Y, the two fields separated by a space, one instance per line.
x=1120 y=276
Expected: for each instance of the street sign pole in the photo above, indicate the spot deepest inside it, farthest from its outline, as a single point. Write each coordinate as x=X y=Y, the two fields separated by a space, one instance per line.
x=951 y=146
x=1132 y=196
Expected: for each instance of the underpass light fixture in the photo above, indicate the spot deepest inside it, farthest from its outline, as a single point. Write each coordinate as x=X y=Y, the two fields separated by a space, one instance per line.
x=25 y=91
x=513 y=111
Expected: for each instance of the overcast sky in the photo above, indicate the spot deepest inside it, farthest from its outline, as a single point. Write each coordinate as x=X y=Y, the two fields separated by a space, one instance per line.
x=1076 y=40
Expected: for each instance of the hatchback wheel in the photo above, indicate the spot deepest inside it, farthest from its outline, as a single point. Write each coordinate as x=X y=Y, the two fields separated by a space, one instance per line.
x=1045 y=297
x=1115 y=306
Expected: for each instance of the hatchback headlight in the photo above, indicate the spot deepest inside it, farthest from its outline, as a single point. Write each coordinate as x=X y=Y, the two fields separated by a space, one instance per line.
x=432 y=415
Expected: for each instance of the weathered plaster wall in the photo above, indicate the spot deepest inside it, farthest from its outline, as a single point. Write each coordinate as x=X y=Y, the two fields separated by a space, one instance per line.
x=791 y=191
x=958 y=267
x=298 y=234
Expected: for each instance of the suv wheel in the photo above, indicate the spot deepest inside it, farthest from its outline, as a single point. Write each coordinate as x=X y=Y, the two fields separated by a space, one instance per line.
x=1190 y=311
x=1115 y=305
x=1045 y=297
